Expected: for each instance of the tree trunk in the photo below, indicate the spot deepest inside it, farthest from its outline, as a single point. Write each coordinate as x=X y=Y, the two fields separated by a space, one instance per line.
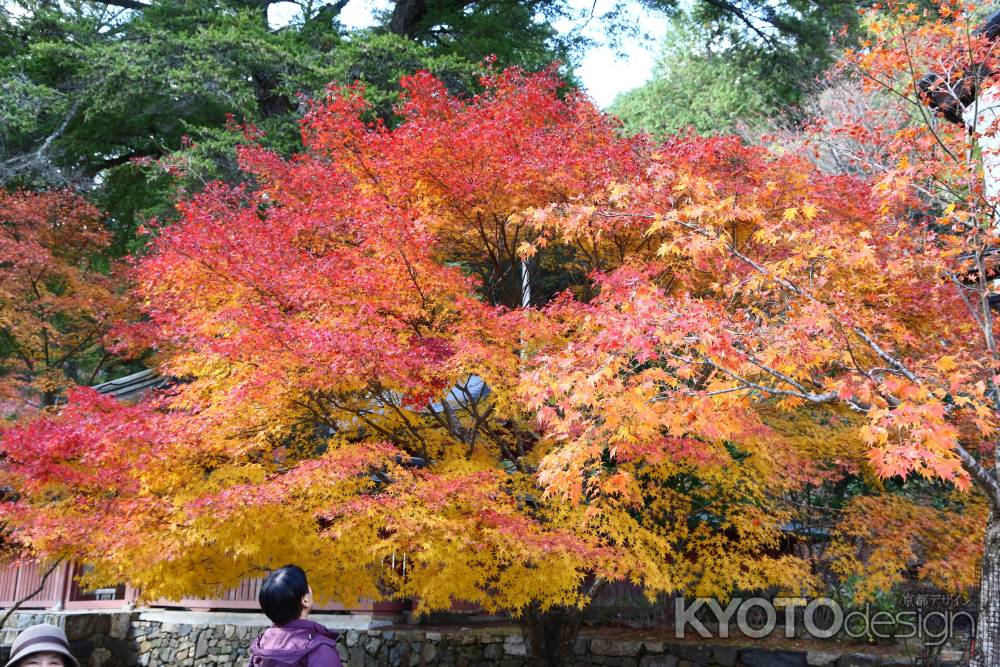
x=406 y=17
x=550 y=635
x=987 y=651
x=269 y=101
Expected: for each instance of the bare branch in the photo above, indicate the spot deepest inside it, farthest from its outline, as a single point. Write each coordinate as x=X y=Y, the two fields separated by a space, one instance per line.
x=126 y=4
x=886 y=357
x=41 y=585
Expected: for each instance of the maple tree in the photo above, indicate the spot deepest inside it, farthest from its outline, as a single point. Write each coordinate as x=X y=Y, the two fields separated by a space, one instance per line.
x=56 y=305
x=352 y=375
x=805 y=299
x=712 y=329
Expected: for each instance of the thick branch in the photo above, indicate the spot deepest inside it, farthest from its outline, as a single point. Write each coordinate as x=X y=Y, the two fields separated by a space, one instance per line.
x=744 y=18
x=39 y=159
x=127 y=4
x=109 y=163
x=982 y=477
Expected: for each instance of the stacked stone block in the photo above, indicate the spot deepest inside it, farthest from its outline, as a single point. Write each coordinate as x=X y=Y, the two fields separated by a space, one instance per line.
x=130 y=640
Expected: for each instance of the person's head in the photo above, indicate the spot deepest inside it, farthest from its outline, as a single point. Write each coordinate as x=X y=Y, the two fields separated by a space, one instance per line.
x=285 y=595
x=41 y=645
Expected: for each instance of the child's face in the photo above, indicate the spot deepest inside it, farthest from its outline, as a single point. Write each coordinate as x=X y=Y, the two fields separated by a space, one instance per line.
x=42 y=660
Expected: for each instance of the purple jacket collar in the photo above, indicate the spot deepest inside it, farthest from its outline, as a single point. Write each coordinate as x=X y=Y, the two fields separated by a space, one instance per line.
x=289 y=644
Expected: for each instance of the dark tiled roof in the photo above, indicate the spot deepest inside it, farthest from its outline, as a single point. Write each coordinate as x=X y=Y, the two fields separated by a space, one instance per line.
x=132 y=387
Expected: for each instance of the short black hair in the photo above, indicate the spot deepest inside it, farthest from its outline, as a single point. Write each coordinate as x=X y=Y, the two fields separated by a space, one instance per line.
x=281 y=594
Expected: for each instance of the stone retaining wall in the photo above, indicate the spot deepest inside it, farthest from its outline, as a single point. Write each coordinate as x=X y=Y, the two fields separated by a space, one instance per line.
x=132 y=639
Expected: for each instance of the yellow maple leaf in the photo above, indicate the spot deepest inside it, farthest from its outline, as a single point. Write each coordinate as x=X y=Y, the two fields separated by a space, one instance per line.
x=945 y=364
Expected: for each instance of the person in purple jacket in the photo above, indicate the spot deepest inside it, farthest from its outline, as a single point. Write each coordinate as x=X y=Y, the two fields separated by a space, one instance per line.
x=293 y=640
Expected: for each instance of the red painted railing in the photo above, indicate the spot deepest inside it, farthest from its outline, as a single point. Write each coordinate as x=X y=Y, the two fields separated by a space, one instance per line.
x=62 y=591
x=18 y=580
x=244 y=596
x=109 y=597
